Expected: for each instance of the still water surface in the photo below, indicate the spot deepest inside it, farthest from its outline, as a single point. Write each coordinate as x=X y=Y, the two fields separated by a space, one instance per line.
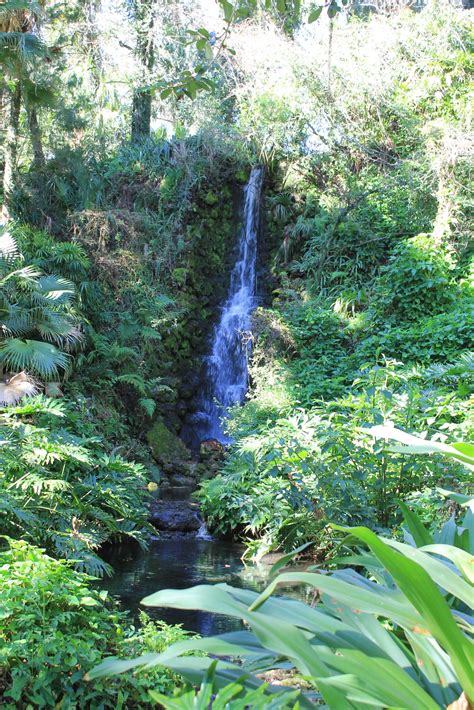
x=176 y=563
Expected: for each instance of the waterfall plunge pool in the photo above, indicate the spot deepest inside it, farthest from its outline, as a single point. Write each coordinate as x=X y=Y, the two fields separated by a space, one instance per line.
x=179 y=562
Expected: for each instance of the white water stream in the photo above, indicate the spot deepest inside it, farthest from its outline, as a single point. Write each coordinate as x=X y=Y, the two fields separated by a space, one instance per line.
x=227 y=364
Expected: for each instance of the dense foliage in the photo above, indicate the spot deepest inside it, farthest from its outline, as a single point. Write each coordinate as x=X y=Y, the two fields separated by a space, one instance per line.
x=64 y=491
x=55 y=627
x=341 y=643
x=128 y=131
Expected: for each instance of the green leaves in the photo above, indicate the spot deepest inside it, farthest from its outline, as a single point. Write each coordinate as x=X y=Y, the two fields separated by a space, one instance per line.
x=315 y=14
x=388 y=641
x=35 y=356
x=460 y=451
x=421 y=591
x=35 y=308
x=62 y=491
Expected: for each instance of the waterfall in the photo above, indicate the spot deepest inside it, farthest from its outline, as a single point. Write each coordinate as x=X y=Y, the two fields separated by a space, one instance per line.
x=227 y=364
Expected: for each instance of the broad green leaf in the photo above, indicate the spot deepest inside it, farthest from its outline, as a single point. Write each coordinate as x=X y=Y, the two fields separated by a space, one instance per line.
x=285 y=559
x=420 y=589
x=438 y=571
x=420 y=534
x=314 y=14
x=380 y=602
x=463 y=561
x=416 y=445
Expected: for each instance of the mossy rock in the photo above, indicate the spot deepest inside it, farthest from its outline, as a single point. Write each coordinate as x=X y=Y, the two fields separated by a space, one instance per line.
x=165 y=445
x=211 y=198
x=242 y=176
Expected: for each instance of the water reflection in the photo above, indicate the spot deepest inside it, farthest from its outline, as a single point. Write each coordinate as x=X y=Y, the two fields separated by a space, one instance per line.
x=178 y=563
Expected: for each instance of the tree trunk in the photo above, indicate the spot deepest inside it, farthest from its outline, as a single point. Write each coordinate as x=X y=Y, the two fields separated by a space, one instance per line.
x=36 y=139
x=141 y=115
x=141 y=106
x=10 y=153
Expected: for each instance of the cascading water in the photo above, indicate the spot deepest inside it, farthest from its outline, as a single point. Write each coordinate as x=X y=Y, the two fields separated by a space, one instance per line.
x=227 y=365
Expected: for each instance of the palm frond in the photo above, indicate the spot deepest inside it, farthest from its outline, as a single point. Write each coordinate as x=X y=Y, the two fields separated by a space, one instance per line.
x=20 y=46
x=55 y=326
x=13 y=7
x=27 y=276
x=53 y=288
x=15 y=320
x=8 y=246
x=42 y=359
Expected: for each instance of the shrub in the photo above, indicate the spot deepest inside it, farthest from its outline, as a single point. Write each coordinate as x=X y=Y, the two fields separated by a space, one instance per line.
x=56 y=627
x=282 y=483
x=63 y=491
x=416 y=282
x=436 y=338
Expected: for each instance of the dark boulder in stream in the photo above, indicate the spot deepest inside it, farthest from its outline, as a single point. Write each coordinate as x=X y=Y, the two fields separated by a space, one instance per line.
x=175 y=516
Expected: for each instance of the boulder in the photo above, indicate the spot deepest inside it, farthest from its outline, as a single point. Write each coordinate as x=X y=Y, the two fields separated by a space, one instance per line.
x=175 y=516
x=166 y=446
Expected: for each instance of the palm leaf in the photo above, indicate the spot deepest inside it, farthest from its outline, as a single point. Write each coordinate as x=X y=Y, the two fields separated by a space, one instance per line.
x=8 y=246
x=53 y=288
x=42 y=359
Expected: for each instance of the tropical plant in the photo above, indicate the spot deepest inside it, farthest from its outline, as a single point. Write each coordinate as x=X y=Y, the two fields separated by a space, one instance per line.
x=287 y=476
x=63 y=490
x=230 y=697
x=20 y=45
x=38 y=321
x=398 y=634
x=56 y=624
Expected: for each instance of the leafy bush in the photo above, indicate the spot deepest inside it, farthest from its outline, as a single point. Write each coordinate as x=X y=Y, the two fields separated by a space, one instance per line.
x=38 y=321
x=282 y=483
x=55 y=627
x=396 y=634
x=62 y=490
x=416 y=282
x=437 y=338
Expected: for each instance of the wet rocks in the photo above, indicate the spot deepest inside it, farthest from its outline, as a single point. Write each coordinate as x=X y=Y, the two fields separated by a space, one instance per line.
x=175 y=516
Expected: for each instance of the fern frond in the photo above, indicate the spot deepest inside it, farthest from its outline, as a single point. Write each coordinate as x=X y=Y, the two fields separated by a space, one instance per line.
x=134 y=380
x=148 y=405
x=38 y=405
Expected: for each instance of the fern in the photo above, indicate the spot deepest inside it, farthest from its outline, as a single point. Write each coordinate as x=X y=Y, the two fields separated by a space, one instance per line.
x=134 y=380
x=148 y=405
x=39 y=404
x=61 y=491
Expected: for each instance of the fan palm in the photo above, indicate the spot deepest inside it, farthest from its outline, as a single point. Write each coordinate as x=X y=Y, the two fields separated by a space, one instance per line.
x=38 y=323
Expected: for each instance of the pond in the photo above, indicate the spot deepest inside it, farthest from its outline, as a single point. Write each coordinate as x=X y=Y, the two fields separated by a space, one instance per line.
x=179 y=562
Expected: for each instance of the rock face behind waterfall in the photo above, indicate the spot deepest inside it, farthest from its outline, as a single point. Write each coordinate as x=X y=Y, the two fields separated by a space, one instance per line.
x=226 y=367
